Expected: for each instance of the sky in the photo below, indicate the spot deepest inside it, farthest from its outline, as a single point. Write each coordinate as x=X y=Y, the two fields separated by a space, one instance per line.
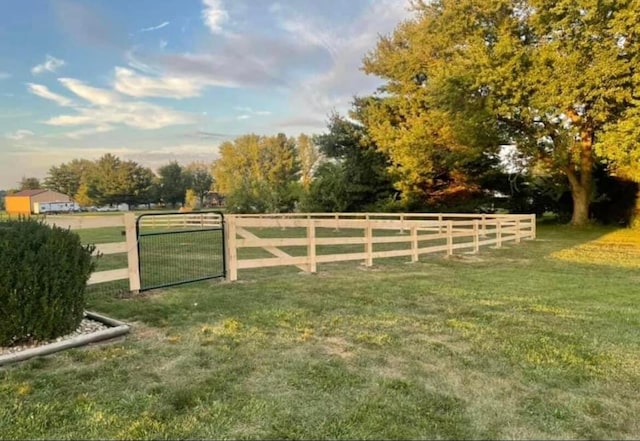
x=154 y=81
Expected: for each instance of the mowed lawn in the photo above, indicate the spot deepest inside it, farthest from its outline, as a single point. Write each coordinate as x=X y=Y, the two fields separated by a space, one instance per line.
x=529 y=341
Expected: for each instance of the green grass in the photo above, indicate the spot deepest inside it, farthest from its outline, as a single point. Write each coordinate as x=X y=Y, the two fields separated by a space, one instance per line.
x=512 y=343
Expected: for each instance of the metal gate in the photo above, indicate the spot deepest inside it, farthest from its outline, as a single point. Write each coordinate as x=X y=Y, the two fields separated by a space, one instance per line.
x=177 y=248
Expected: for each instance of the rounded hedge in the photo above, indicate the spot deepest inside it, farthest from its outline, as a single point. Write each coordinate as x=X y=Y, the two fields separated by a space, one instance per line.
x=43 y=276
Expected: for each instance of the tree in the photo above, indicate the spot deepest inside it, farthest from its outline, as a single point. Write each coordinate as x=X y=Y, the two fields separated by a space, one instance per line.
x=29 y=183
x=172 y=183
x=258 y=173
x=66 y=178
x=553 y=76
x=359 y=169
x=200 y=179
x=309 y=159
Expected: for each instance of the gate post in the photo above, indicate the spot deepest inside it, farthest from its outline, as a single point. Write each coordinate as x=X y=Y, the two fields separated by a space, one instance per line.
x=132 y=252
x=231 y=251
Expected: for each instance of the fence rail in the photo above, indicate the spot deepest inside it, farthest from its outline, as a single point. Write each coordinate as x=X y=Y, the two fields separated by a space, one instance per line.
x=458 y=231
x=415 y=234
x=129 y=246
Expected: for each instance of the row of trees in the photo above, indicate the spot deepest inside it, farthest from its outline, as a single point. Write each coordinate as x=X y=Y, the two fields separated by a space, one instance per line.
x=111 y=180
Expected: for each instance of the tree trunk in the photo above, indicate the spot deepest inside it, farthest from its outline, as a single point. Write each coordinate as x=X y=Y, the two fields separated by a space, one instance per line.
x=581 y=201
x=581 y=185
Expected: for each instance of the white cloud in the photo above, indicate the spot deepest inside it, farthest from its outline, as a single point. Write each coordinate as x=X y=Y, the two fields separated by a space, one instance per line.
x=44 y=92
x=334 y=88
x=78 y=134
x=155 y=28
x=214 y=15
x=163 y=44
x=248 y=112
x=108 y=108
x=131 y=83
x=138 y=115
x=99 y=97
x=51 y=64
x=4 y=75
x=20 y=134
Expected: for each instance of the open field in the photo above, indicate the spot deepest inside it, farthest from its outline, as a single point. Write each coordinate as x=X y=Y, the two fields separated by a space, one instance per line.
x=529 y=341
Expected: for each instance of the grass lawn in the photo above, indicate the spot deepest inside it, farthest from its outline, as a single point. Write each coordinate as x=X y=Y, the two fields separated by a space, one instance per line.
x=528 y=341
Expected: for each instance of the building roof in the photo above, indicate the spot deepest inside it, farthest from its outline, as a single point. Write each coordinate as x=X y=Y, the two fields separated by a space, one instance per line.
x=28 y=192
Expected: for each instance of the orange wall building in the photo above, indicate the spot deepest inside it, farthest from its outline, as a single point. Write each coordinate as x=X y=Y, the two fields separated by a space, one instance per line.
x=23 y=201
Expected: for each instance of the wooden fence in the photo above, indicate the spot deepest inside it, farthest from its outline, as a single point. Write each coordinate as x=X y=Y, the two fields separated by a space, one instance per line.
x=424 y=232
x=458 y=231
x=129 y=246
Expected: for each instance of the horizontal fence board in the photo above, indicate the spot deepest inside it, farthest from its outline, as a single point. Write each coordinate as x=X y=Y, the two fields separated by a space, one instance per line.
x=392 y=253
x=272 y=261
x=328 y=258
x=433 y=249
x=111 y=248
x=272 y=242
x=108 y=276
x=84 y=222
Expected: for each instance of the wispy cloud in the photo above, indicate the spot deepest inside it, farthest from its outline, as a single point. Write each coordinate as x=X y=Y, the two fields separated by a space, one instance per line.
x=51 y=64
x=214 y=15
x=248 y=112
x=19 y=134
x=79 y=134
x=109 y=108
x=44 y=92
x=155 y=28
x=4 y=75
x=94 y=95
x=131 y=83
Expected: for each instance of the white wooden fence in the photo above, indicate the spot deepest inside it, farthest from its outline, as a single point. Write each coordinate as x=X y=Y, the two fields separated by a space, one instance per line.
x=129 y=246
x=459 y=231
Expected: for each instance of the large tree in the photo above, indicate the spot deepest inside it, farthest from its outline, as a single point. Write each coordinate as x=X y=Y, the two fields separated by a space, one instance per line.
x=173 y=183
x=357 y=172
x=552 y=76
x=258 y=173
x=199 y=179
x=66 y=178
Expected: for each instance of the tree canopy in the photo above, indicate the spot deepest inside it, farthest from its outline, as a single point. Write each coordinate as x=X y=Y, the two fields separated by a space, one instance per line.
x=554 y=78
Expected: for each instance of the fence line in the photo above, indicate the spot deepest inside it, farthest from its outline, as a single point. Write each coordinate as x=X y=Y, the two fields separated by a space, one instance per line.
x=129 y=246
x=483 y=230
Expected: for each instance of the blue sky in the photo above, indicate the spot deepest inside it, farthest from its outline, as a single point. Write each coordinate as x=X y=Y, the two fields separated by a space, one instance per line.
x=156 y=80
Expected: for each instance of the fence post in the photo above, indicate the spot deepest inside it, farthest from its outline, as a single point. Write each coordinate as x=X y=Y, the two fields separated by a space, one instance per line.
x=449 y=238
x=132 y=252
x=484 y=225
x=311 y=245
x=498 y=234
x=401 y=223
x=231 y=250
x=518 y=230
x=533 y=226
x=414 y=243
x=476 y=237
x=440 y=223
x=368 y=234
x=337 y=216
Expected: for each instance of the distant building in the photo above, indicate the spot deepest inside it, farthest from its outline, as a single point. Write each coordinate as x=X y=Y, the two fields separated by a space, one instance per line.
x=23 y=202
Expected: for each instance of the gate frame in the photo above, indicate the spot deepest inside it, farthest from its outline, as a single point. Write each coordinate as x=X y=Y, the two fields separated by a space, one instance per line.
x=166 y=285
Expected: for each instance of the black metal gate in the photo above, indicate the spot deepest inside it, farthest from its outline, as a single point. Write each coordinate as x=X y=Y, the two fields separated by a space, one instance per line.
x=177 y=248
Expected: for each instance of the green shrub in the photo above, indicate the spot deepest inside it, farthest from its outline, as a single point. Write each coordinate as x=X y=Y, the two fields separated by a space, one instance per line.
x=43 y=276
